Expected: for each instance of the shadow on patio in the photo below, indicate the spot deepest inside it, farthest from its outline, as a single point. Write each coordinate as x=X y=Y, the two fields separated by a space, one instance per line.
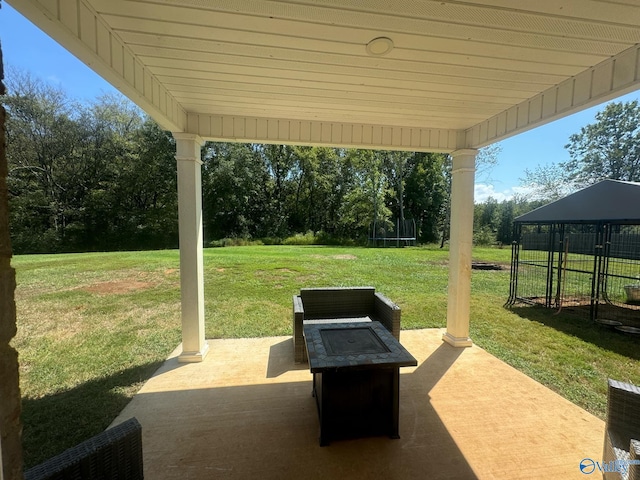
x=247 y=412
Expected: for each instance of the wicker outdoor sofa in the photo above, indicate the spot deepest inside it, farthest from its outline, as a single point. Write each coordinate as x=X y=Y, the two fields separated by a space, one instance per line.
x=115 y=454
x=622 y=432
x=335 y=304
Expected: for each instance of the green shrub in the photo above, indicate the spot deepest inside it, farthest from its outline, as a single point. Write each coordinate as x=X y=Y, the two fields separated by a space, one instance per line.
x=484 y=236
x=323 y=238
x=235 y=242
x=308 y=238
x=271 y=241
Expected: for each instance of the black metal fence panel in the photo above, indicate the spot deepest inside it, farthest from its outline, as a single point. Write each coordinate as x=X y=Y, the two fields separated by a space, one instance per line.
x=590 y=270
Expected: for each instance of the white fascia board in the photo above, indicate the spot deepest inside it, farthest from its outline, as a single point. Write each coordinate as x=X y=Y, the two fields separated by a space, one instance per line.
x=606 y=81
x=315 y=133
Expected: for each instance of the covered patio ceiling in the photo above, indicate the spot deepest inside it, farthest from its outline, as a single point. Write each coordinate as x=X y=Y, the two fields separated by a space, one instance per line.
x=444 y=75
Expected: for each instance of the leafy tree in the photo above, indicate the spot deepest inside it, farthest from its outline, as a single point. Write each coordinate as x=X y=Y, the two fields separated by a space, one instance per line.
x=489 y=214
x=426 y=193
x=320 y=185
x=608 y=148
x=364 y=206
x=396 y=169
x=105 y=159
x=42 y=139
x=279 y=161
x=485 y=221
x=86 y=177
x=486 y=161
x=145 y=191
x=547 y=182
x=506 y=215
x=234 y=195
x=493 y=221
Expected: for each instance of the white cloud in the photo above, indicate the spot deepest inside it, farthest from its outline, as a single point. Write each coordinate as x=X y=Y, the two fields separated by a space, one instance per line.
x=483 y=191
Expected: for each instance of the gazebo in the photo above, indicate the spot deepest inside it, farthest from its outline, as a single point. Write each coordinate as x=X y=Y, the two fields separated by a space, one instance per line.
x=438 y=76
x=581 y=254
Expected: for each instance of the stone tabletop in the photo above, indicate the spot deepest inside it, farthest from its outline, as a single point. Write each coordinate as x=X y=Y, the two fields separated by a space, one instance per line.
x=371 y=345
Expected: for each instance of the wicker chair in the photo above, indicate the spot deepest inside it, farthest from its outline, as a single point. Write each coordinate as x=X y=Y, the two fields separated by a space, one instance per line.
x=337 y=304
x=622 y=432
x=113 y=454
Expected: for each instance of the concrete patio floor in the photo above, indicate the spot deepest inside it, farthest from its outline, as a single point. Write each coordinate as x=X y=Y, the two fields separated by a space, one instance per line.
x=247 y=412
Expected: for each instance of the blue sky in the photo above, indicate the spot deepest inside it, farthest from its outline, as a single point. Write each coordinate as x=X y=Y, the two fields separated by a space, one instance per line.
x=28 y=48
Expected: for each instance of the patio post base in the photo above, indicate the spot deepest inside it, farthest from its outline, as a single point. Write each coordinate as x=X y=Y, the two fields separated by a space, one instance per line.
x=457 y=341
x=194 y=357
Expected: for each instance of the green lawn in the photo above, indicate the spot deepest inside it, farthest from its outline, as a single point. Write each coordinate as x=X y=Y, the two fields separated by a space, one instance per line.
x=94 y=327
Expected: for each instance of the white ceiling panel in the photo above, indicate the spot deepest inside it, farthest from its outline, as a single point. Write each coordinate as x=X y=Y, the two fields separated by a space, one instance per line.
x=481 y=70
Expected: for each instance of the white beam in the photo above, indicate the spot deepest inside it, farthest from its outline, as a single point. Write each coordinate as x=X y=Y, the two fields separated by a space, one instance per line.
x=194 y=346
x=347 y=135
x=460 y=243
x=612 y=78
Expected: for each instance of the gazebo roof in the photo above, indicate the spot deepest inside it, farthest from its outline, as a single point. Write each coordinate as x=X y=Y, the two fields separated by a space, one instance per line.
x=606 y=201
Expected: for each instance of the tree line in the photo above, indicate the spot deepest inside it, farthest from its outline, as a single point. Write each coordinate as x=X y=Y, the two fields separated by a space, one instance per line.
x=274 y=191
x=493 y=220
x=102 y=176
x=97 y=176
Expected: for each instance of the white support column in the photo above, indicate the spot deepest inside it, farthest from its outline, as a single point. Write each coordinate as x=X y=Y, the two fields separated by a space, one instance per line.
x=460 y=243
x=194 y=346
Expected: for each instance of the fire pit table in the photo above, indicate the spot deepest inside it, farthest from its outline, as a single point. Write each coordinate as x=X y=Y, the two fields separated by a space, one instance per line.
x=356 y=378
